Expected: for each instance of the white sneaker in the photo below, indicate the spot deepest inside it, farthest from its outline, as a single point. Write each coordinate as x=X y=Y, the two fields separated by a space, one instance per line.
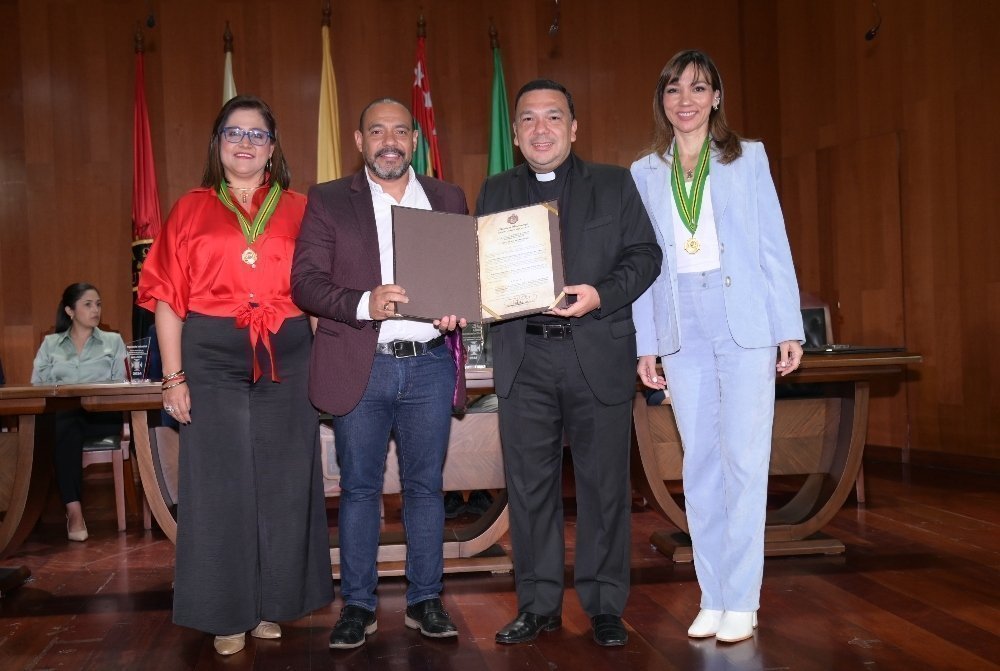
x=706 y=624
x=736 y=626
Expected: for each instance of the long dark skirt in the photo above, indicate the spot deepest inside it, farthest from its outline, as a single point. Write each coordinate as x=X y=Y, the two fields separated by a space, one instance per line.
x=252 y=537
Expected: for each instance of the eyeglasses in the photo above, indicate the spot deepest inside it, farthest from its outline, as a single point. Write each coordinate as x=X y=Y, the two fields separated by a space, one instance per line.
x=256 y=136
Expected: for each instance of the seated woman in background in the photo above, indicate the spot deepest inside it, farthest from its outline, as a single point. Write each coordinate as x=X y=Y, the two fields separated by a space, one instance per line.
x=79 y=352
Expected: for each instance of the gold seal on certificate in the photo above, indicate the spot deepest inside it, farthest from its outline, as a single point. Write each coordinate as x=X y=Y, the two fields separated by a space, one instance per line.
x=249 y=257
x=691 y=246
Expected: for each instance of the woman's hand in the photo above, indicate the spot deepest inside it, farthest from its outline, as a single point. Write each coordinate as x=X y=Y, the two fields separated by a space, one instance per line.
x=646 y=369
x=789 y=357
x=177 y=402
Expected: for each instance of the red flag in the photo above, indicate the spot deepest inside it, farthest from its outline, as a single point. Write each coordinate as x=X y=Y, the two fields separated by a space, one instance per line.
x=427 y=157
x=145 y=197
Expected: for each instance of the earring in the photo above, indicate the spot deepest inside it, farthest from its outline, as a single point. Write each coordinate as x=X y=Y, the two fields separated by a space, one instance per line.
x=715 y=105
x=267 y=166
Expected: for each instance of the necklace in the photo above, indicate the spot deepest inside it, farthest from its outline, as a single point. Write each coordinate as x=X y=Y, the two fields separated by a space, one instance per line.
x=244 y=191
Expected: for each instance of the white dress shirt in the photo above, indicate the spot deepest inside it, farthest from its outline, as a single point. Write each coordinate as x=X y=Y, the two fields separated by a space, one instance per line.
x=414 y=196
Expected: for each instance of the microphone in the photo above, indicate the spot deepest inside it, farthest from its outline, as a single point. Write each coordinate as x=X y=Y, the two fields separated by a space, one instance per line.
x=873 y=31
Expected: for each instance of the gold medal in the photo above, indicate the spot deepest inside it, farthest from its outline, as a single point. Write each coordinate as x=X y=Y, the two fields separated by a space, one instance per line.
x=688 y=201
x=251 y=231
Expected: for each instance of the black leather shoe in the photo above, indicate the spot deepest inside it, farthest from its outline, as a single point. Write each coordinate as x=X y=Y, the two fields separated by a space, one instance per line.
x=609 y=630
x=526 y=626
x=354 y=624
x=454 y=505
x=431 y=619
x=480 y=501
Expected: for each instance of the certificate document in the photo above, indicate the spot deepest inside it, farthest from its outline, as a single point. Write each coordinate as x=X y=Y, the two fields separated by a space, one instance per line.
x=497 y=266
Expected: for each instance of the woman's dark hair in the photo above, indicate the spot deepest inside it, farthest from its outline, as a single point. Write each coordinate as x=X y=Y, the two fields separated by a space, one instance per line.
x=70 y=296
x=277 y=171
x=725 y=139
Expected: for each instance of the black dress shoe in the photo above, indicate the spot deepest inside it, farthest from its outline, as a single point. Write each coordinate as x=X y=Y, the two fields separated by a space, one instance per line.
x=609 y=630
x=354 y=624
x=480 y=501
x=431 y=619
x=454 y=505
x=526 y=626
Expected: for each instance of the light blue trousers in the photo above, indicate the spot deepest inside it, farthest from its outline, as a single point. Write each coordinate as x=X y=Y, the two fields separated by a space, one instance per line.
x=723 y=400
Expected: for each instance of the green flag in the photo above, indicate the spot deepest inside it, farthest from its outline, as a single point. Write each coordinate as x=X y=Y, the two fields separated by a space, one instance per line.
x=501 y=147
x=420 y=162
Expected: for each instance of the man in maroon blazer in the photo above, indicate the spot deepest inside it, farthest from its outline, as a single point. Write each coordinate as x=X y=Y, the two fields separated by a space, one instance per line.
x=376 y=373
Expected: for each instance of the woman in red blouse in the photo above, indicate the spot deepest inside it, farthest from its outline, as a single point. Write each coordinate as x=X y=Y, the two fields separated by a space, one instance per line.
x=252 y=537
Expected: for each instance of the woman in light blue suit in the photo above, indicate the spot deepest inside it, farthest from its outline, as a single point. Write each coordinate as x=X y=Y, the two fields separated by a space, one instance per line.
x=724 y=316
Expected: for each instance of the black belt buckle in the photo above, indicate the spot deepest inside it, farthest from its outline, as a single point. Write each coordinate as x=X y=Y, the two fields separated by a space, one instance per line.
x=404 y=349
x=557 y=331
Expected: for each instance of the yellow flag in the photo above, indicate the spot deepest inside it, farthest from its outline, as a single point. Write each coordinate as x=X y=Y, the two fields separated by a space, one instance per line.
x=228 y=83
x=328 y=145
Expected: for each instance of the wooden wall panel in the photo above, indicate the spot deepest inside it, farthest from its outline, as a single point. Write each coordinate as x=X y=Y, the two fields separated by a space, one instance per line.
x=798 y=75
x=922 y=80
x=842 y=205
x=68 y=70
x=15 y=304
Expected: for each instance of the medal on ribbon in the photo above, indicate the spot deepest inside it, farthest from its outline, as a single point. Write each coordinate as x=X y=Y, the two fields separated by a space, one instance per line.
x=251 y=230
x=689 y=201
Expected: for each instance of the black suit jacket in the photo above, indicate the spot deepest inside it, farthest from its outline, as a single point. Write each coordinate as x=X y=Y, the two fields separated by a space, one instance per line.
x=337 y=260
x=609 y=243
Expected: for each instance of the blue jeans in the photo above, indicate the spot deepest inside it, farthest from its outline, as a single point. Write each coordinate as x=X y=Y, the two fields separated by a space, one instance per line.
x=411 y=398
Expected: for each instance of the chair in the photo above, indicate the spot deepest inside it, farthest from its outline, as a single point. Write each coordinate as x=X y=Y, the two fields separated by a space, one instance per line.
x=114 y=450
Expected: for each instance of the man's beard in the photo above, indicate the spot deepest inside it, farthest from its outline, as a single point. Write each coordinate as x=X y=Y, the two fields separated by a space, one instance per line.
x=395 y=173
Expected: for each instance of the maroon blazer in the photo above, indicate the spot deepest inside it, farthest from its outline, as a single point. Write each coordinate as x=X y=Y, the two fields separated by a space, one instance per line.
x=337 y=260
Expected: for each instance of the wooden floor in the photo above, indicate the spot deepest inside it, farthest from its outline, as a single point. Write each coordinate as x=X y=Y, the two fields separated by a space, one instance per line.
x=919 y=588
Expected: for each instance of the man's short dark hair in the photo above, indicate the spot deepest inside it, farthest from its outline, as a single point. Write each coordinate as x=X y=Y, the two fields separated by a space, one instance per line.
x=382 y=101
x=546 y=85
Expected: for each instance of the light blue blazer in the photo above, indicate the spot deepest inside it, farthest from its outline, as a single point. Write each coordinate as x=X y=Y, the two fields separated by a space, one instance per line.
x=761 y=292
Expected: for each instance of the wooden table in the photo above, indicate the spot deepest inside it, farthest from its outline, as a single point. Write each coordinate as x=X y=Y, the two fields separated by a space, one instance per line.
x=33 y=405
x=818 y=441
x=821 y=438
x=470 y=547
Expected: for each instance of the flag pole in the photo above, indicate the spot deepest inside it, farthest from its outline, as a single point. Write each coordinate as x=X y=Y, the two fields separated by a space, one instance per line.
x=228 y=82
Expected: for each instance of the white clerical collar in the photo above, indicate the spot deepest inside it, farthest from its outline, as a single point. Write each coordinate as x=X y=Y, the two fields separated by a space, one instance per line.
x=545 y=176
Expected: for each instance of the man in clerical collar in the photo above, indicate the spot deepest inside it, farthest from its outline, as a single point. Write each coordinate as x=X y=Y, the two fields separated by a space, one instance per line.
x=571 y=371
